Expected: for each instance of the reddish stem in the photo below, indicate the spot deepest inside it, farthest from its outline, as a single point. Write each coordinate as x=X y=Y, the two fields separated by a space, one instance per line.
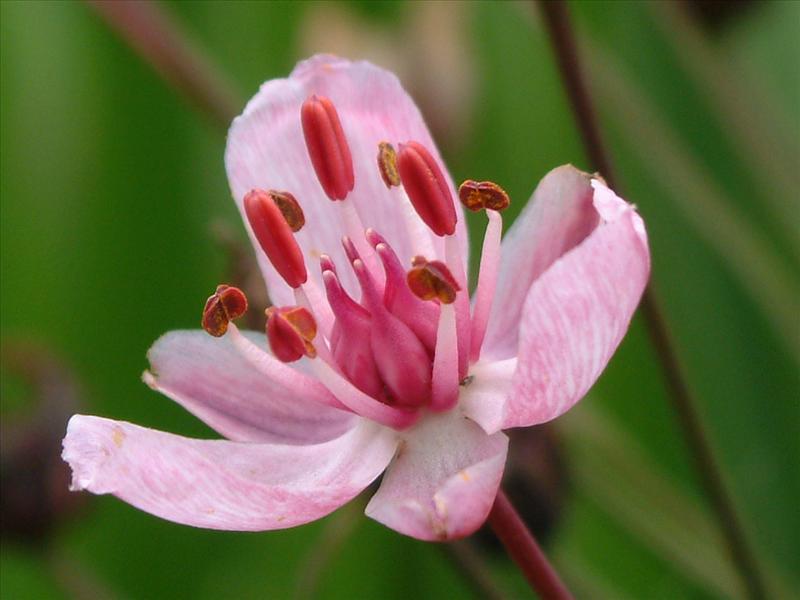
x=522 y=547
x=557 y=22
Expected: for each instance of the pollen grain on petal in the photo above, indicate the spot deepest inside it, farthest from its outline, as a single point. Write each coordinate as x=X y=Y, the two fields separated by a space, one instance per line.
x=479 y=195
x=432 y=280
x=224 y=305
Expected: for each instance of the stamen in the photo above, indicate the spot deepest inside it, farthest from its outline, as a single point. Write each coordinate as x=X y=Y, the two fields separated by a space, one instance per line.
x=427 y=188
x=223 y=306
x=290 y=209
x=354 y=229
x=361 y=403
x=387 y=164
x=478 y=195
x=432 y=280
x=290 y=331
x=310 y=297
x=327 y=147
x=274 y=370
x=454 y=261
x=445 y=362
x=487 y=279
x=275 y=237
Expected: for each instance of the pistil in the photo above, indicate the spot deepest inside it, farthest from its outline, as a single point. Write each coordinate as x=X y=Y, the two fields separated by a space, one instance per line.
x=350 y=341
x=420 y=316
x=401 y=358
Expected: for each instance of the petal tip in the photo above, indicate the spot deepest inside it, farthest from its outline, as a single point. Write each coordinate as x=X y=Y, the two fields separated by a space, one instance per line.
x=85 y=452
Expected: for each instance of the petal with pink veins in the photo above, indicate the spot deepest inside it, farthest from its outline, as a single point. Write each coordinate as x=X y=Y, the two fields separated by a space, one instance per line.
x=213 y=381
x=443 y=481
x=266 y=149
x=576 y=314
x=219 y=484
x=557 y=218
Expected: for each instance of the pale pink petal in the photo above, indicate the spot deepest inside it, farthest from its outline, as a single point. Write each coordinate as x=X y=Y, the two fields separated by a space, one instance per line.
x=443 y=481
x=220 y=484
x=557 y=218
x=484 y=393
x=211 y=379
x=266 y=149
x=576 y=314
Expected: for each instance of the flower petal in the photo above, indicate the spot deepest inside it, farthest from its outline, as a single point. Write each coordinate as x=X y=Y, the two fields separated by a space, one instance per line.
x=576 y=314
x=443 y=481
x=220 y=484
x=557 y=218
x=213 y=381
x=483 y=396
x=266 y=149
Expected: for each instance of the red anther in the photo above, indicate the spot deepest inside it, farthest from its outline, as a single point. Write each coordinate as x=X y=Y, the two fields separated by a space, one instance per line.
x=275 y=237
x=223 y=306
x=427 y=188
x=387 y=164
x=290 y=209
x=290 y=331
x=432 y=280
x=327 y=147
x=477 y=195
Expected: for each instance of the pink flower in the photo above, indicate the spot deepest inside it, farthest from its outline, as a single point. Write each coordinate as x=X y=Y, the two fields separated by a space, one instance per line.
x=416 y=384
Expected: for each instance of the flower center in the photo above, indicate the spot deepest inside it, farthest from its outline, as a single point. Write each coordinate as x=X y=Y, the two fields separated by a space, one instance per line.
x=408 y=340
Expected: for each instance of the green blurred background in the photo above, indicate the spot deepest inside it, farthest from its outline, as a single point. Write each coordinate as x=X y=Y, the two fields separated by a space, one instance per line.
x=114 y=194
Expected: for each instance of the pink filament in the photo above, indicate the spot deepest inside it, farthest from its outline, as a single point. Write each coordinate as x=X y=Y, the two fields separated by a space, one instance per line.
x=487 y=280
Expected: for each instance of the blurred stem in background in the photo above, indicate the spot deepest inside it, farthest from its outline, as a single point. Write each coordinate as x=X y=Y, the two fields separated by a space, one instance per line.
x=754 y=124
x=160 y=42
x=557 y=20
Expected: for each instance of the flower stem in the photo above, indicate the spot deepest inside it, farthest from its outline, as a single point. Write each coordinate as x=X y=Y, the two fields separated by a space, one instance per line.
x=557 y=22
x=522 y=547
x=158 y=40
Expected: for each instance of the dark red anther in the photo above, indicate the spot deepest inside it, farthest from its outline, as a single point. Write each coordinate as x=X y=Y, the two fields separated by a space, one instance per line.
x=290 y=331
x=427 y=188
x=327 y=147
x=223 y=306
x=274 y=235
x=432 y=280
x=290 y=209
x=387 y=164
x=477 y=195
